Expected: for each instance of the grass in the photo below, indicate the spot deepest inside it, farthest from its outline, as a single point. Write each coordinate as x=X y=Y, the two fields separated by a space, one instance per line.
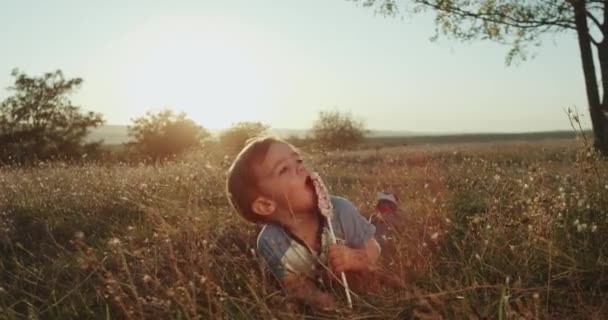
x=494 y=231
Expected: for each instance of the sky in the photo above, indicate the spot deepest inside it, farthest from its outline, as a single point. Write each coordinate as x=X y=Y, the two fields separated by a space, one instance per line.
x=282 y=62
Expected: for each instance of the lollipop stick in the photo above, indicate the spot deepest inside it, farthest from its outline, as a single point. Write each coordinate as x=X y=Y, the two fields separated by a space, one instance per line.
x=326 y=208
x=342 y=274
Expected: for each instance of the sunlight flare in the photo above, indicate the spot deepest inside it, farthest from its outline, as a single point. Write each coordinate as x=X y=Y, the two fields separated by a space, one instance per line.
x=210 y=72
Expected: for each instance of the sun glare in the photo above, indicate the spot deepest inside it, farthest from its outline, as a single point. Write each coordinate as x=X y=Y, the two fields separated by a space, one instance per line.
x=210 y=72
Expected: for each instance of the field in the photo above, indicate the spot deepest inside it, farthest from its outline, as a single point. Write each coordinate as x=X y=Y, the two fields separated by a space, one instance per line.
x=511 y=230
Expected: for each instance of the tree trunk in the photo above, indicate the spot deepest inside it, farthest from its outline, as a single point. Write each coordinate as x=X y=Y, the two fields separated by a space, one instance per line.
x=602 y=52
x=598 y=120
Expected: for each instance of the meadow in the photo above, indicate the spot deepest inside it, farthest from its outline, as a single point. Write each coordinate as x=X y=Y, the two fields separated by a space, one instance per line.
x=511 y=230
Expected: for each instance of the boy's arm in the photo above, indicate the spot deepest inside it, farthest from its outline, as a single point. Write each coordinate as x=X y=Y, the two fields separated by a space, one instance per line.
x=304 y=290
x=297 y=287
x=361 y=251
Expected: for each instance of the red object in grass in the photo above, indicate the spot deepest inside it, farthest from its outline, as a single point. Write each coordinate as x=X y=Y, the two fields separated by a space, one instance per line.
x=387 y=216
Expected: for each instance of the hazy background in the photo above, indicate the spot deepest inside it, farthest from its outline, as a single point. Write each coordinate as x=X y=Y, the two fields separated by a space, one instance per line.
x=282 y=62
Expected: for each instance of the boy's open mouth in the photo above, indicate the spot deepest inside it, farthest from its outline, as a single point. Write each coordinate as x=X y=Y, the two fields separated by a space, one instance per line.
x=309 y=184
x=311 y=187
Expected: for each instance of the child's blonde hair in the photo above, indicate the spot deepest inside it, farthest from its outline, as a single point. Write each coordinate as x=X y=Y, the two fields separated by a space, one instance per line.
x=242 y=181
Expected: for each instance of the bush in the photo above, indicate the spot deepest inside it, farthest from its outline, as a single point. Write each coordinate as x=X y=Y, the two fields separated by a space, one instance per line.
x=164 y=135
x=39 y=122
x=234 y=138
x=336 y=130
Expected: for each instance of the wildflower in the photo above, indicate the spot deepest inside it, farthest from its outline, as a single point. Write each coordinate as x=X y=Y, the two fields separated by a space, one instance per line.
x=496 y=178
x=536 y=296
x=593 y=228
x=79 y=235
x=114 y=242
x=146 y=278
x=581 y=227
x=434 y=236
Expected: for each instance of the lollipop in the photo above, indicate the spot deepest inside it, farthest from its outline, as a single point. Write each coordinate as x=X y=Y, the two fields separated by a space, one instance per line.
x=326 y=209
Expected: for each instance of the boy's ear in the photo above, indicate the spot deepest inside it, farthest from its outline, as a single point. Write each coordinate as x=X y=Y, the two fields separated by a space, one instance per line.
x=263 y=206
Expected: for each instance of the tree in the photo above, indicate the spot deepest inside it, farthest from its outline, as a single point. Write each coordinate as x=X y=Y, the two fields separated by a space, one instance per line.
x=39 y=122
x=520 y=23
x=335 y=130
x=165 y=134
x=234 y=138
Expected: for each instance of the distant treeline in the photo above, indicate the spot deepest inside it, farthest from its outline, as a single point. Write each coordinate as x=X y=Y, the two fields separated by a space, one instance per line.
x=473 y=138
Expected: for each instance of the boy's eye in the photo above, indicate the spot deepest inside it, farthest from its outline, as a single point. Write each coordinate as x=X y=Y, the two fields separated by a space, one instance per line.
x=283 y=170
x=300 y=161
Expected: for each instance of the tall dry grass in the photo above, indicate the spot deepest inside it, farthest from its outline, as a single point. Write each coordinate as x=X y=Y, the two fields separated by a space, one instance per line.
x=503 y=231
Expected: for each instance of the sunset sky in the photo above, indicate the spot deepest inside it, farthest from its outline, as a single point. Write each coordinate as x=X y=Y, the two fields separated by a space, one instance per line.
x=281 y=62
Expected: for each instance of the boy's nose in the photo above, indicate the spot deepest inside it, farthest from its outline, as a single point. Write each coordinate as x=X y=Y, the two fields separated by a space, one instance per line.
x=303 y=170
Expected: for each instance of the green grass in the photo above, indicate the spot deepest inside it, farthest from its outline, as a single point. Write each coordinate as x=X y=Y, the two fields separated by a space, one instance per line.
x=498 y=231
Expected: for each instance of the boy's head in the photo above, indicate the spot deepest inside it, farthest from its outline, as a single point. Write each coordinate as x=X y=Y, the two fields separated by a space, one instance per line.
x=268 y=180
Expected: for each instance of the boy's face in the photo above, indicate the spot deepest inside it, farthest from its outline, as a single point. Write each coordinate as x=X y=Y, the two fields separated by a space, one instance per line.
x=284 y=183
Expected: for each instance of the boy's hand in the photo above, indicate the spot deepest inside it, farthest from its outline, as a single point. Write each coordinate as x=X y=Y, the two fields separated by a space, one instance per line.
x=322 y=301
x=343 y=258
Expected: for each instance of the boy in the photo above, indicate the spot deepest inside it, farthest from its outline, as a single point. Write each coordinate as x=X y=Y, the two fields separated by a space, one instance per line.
x=269 y=184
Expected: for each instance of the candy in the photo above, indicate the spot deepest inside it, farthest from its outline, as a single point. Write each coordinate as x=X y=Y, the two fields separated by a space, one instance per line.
x=326 y=209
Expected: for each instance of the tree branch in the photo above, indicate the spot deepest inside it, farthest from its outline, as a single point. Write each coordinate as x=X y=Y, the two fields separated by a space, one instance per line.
x=506 y=19
x=594 y=19
x=595 y=42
